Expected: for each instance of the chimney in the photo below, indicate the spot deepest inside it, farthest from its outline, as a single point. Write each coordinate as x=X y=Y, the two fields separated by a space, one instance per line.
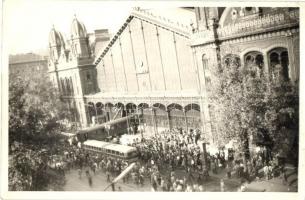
x=102 y=38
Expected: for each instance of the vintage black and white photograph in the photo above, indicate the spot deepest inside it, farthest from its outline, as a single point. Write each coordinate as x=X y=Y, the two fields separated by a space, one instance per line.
x=115 y=98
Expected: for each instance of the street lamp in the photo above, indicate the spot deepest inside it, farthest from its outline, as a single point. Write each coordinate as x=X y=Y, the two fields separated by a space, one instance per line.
x=107 y=127
x=204 y=158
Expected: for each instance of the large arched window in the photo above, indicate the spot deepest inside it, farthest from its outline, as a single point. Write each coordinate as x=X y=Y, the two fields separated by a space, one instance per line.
x=254 y=61
x=231 y=61
x=205 y=63
x=63 y=86
x=68 y=86
x=279 y=64
x=71 y=86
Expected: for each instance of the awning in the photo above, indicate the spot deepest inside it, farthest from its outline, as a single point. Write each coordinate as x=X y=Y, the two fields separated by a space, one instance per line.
x=100 y=126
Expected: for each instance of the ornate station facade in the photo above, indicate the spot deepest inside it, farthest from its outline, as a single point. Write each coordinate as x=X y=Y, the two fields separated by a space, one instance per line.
x=160 y=69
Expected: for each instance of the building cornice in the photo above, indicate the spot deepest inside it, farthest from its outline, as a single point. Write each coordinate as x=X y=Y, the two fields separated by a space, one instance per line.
x=28 y=62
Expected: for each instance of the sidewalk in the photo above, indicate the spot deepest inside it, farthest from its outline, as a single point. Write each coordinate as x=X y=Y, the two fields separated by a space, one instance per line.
x=263 y=185
x=276 y=184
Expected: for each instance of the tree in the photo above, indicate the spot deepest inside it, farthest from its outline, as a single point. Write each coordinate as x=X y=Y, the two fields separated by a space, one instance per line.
x=250 y=104
x=34 y=109
x=34 y=113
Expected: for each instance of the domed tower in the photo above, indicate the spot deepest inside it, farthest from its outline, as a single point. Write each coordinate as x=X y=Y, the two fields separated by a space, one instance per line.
x=56 y=45
x=56 y=49
x=79 y=40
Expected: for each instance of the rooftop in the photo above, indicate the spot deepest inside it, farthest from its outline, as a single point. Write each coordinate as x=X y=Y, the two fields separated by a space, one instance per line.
x=23 y=58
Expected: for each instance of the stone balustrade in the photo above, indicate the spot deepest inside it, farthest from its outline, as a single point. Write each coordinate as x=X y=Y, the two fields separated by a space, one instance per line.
x=267 y=21
x=261 y=23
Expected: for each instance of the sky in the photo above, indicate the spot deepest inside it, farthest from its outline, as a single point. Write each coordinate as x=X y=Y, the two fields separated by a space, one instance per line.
x=27 y=23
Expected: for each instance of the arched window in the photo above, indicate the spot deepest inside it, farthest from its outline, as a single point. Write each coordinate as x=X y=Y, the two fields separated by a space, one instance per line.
x=89 y=82
x=75 y=49
x=279 y=64
x=205 y=63
x=231 y=61
x=248 y=9
x=68 y=86
x=88 y=76
x=63 y=86
x=254 y=62
x=71 y=86
x=285 y=65
x=53 y=54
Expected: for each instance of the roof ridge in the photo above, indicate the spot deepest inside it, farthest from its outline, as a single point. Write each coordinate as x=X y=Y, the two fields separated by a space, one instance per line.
x=140 y=13
x=168 y=21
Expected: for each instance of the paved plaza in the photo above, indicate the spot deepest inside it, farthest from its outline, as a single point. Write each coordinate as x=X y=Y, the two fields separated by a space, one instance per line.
x=99 y=183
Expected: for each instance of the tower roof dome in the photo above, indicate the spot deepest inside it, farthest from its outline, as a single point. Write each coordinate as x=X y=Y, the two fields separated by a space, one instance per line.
x=55 y=38
x=78 y=29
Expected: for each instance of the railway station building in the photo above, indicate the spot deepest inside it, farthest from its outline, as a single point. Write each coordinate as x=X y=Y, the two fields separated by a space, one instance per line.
x=159 y=69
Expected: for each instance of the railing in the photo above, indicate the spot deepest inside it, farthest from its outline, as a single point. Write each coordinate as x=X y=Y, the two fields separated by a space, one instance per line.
x=147 y=99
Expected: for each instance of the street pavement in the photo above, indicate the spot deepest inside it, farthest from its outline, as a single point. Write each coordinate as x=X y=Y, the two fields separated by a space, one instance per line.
x=99 y=183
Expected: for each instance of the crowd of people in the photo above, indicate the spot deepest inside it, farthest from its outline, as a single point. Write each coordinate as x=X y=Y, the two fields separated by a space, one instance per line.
x=179 y=149
x=160 y=158
x=162 y=155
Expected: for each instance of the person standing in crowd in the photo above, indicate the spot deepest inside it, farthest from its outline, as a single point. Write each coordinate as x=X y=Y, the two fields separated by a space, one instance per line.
x=79 y=173
x=229 y=170
x=266 y=171
x=154 y=182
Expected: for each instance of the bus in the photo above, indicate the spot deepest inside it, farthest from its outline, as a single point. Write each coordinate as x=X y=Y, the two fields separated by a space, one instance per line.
x=124 y=152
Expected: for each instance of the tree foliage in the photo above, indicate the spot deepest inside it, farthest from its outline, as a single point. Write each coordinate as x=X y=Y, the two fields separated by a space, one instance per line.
x=34 y=109
x=34 y=113
x=250 y=104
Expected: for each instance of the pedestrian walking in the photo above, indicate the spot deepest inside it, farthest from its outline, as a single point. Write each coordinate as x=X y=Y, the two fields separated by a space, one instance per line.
x=108 y=175
x=222 y=185
x=90 y=180
x=79 y=173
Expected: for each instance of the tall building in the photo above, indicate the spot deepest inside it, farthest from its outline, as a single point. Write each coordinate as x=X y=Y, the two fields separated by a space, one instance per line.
x=24 y=65
x=161 y=68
